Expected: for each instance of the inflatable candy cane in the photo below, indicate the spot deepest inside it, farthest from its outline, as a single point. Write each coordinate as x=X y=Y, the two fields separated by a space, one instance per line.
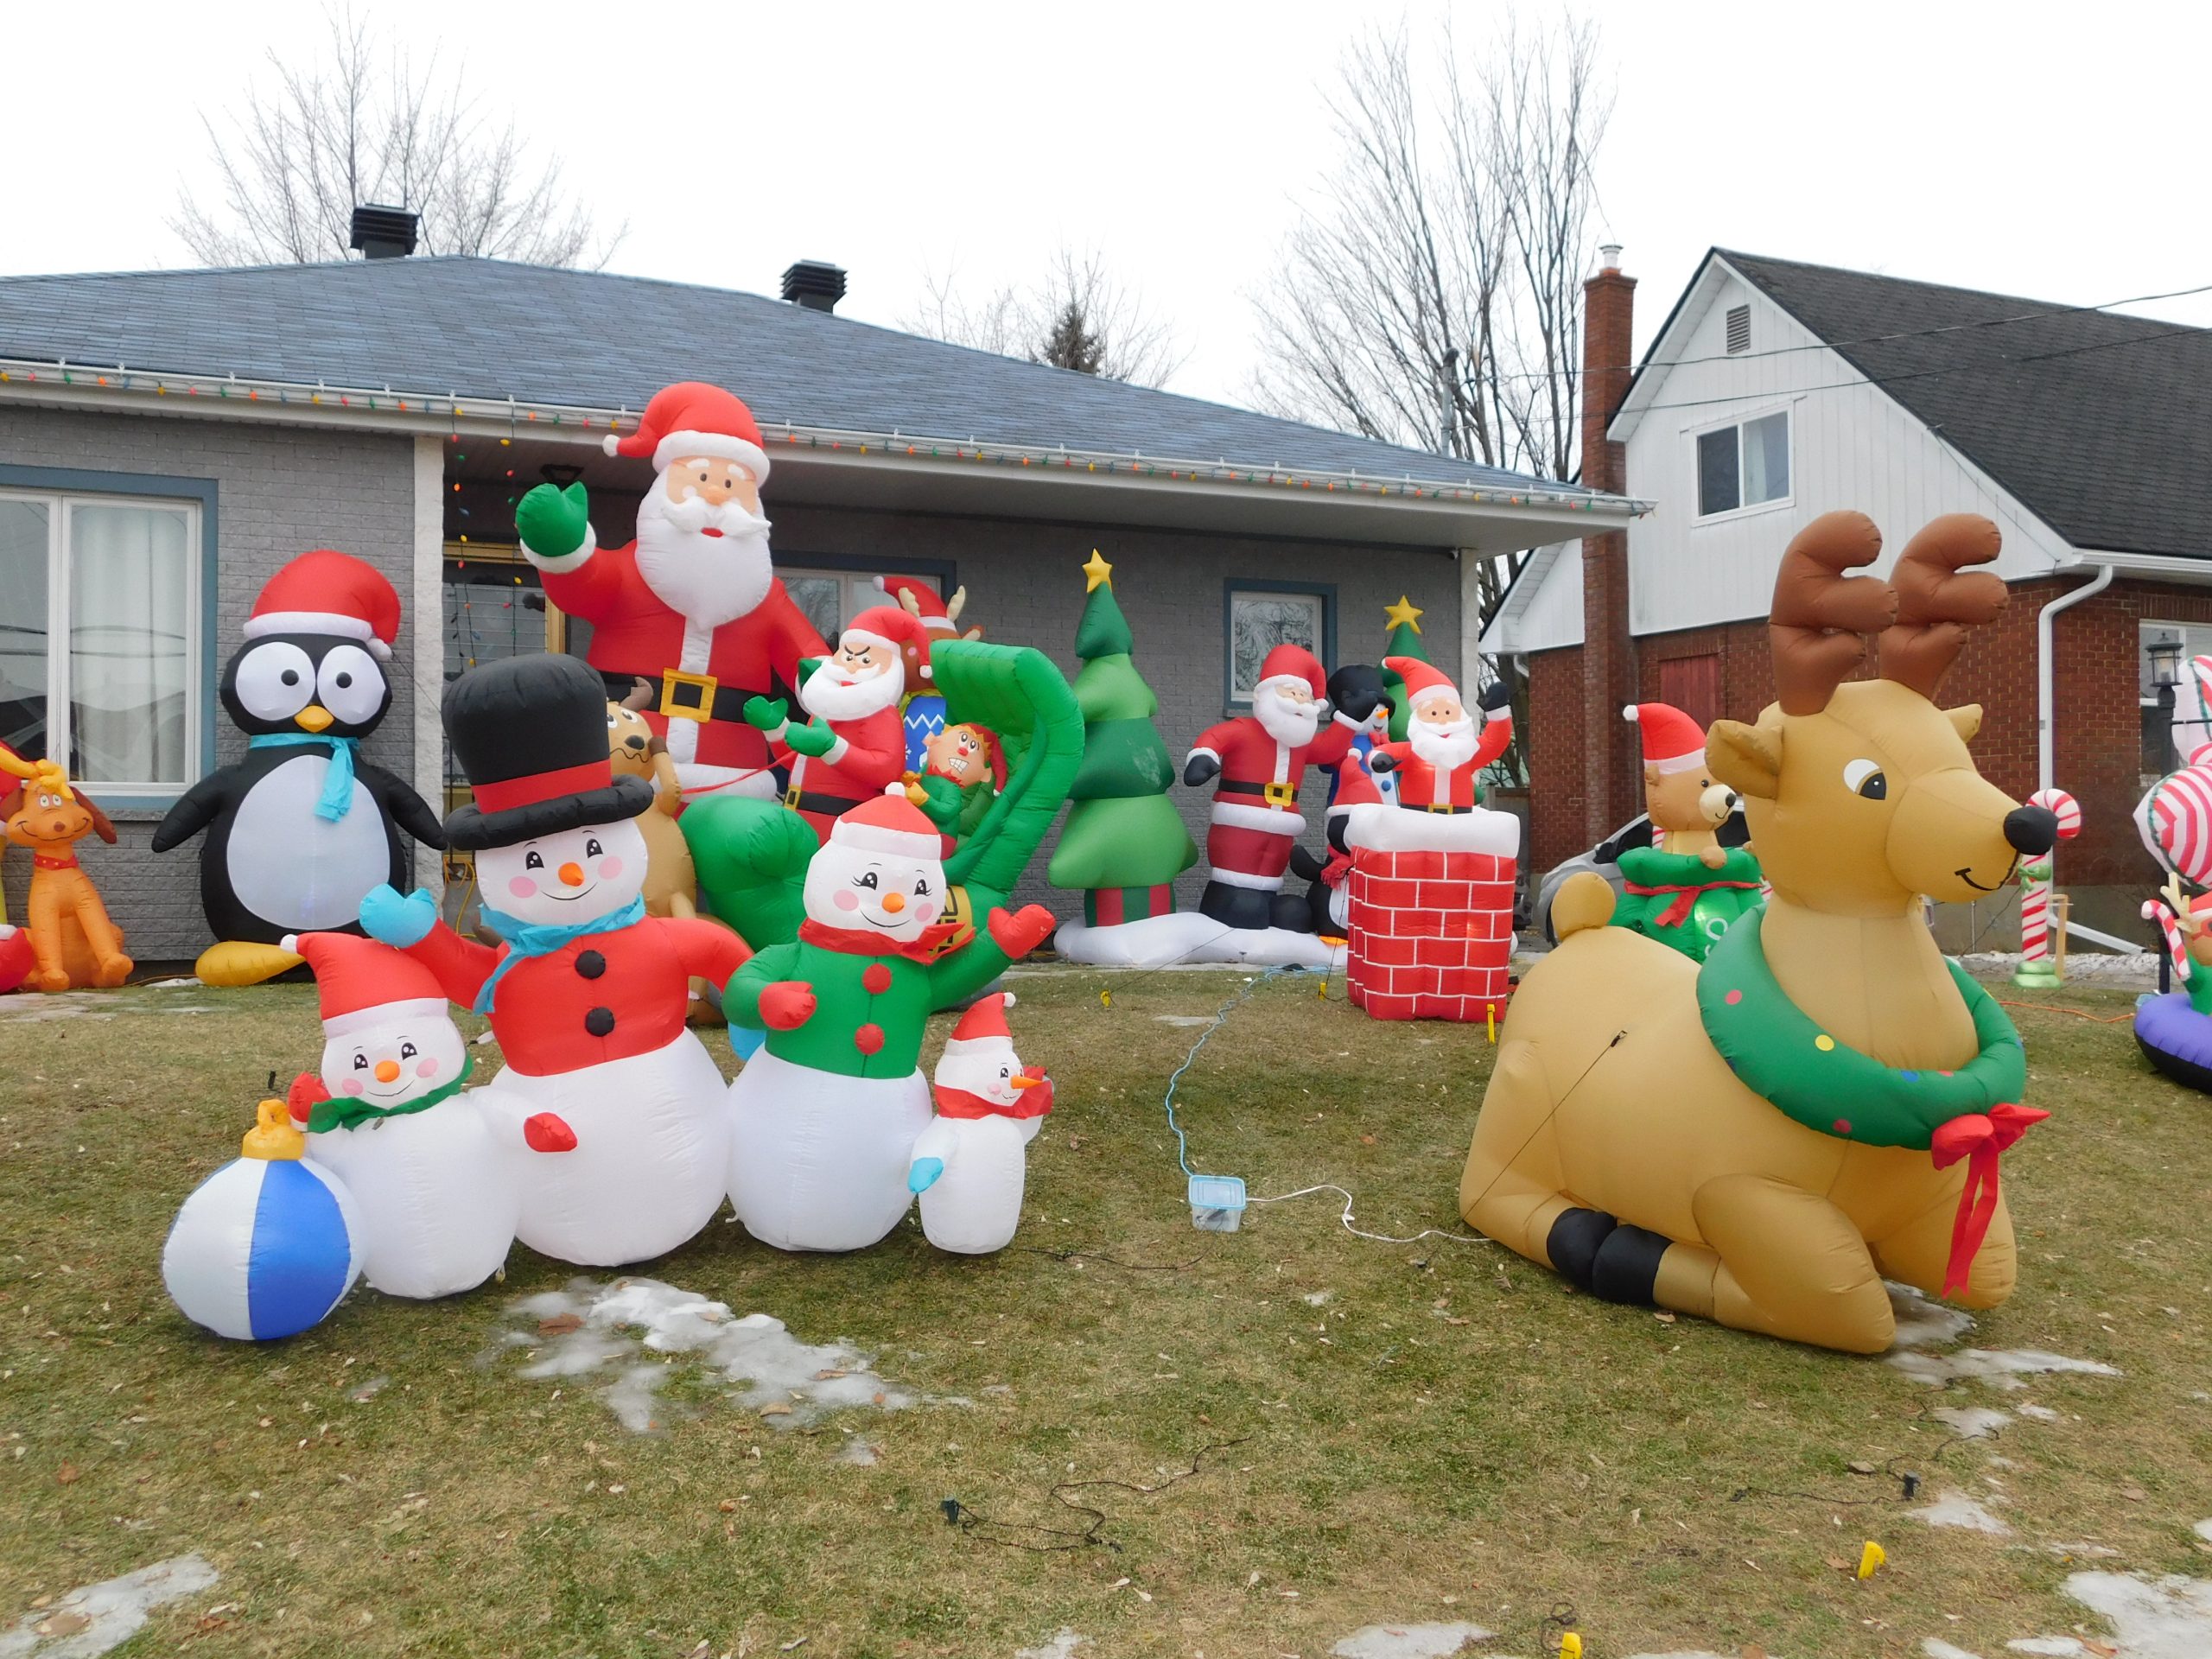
x=2038 y=969
x=2176 y=941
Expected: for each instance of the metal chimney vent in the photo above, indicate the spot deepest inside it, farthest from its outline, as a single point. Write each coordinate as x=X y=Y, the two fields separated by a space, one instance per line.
x=816 y=286
x=384 y=232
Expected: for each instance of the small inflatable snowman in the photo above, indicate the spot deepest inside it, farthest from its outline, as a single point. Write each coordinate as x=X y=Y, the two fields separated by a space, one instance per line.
x=970 y=1163
x=437 y=1196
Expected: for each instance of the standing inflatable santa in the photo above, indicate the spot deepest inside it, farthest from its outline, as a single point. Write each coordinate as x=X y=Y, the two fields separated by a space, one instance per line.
x=616 y=1113
x=692 y=608
x=971 y=1163
x=387 y=1115
x=1446 y=746
x=1256 y=764
x=854 y=745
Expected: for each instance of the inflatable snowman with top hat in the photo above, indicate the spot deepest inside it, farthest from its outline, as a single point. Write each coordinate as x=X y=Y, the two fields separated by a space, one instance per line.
x=436 y=1194
x=971 y=1164
x=614 y=1113
x=825 y=1115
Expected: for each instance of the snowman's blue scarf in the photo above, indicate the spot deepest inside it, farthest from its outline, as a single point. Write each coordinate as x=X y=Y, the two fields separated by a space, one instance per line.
x=337 y=783
x=528 y=939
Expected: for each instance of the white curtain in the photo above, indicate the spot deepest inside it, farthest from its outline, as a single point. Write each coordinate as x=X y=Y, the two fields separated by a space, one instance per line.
x=130 y=570
x=23 y=554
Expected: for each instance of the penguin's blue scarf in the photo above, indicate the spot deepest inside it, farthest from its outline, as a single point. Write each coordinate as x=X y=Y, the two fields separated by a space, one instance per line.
x=528 y=939
x=337 y=783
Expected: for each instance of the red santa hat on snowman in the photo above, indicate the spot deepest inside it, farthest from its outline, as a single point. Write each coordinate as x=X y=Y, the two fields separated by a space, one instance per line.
x=979 y=1074
x=362 y=983
x=1672 y=741
x=328 y=592
x=691 y=418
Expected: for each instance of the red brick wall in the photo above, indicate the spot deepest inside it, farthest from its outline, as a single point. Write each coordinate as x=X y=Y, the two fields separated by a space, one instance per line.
x=1608 y=656
x=1430 y=934
x=1557 y=829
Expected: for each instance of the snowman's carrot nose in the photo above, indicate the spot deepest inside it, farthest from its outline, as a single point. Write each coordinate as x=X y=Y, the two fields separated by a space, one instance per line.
x=894 y=902
x=572 y=875
x=387 y=1070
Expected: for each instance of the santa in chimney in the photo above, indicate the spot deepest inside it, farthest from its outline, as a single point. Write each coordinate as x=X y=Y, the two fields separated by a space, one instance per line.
x=689 y=620
x=1446 y=744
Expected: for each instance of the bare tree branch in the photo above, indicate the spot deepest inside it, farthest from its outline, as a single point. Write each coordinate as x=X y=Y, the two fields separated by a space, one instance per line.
x=1075 y=316
x=360 y=123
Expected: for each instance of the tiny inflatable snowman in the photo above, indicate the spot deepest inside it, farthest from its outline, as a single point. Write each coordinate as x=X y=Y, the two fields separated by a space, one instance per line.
x=970 y=1163
x=436 y=1194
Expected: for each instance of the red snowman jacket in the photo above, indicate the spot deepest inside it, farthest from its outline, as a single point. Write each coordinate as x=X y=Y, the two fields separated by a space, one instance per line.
x=605 y=997
x=634 y=632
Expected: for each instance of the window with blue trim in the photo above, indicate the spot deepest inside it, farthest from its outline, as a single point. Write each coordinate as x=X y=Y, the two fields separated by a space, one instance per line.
x=100 y=653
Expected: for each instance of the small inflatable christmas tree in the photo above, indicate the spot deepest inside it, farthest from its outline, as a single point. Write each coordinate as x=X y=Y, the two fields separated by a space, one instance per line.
x=1125 y=843
x=1404 y=619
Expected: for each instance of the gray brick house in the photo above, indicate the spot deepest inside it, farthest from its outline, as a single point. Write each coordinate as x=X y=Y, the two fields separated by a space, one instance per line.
x=168 y=439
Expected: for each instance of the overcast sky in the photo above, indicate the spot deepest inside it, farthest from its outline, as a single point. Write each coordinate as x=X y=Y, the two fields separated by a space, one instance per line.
x=2057 y=152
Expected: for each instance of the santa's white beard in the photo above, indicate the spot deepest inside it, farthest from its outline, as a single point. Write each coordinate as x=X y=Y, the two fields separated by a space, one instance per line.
x=1447 y=748
x=1291 y=724
x=829 y=694
x=706 y=580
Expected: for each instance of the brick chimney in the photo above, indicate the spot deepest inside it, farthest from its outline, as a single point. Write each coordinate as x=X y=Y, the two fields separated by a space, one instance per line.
x=1611 y=790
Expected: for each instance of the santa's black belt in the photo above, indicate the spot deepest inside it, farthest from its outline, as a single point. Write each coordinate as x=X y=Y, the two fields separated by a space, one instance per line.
x=683 y=696
x=807 y=800
x=1415 y=806
x=1281 y=795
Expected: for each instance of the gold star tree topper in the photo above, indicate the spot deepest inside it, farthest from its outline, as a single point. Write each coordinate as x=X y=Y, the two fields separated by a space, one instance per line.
x=1403 y=615
x=1097 y=570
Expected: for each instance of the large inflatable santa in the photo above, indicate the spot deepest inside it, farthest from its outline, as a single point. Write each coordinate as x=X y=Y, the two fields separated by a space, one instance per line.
x=1256 y=764
x=691 y=609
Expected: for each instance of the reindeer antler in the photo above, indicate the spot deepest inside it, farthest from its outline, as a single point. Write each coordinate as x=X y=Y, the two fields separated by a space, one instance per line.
x=958 y=602
x=1819 y=615
x=908 y=603
x=1936 y=605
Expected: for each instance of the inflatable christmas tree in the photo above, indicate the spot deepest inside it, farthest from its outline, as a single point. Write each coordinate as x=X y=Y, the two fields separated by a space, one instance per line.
x=1125 y=843
x=1404 y=619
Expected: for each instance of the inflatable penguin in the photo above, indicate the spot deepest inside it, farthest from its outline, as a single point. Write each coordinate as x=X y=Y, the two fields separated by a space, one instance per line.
x=971 y=1163
x=301 y=828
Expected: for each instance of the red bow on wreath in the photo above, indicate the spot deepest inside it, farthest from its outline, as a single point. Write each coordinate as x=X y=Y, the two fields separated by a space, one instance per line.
x=1981 y=1140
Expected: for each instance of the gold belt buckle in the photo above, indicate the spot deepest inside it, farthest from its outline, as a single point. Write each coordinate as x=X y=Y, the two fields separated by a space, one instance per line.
x=1283 y=795
x=1439 y=806
x=791 y=797
x=702 y=711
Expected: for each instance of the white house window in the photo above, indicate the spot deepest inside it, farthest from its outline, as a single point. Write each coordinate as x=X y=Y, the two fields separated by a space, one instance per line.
x=1742 y=466
x=1260 y=619
x=100 y=637
x=831 y=599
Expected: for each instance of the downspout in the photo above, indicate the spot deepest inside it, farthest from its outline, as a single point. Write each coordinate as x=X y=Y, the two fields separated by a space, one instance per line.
x=2046 y=735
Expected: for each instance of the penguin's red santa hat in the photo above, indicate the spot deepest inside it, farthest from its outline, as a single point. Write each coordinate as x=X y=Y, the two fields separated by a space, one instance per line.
x=328 y=592
x=364 y=984
x=1672 y=741
x=893 y=629
x=691 y=418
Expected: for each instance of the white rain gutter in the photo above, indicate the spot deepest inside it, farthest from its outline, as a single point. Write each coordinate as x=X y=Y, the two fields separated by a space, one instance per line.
x=2046 y=695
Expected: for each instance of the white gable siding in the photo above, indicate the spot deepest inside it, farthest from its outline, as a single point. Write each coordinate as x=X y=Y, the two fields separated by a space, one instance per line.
x=1849 y=447
x=1544 y=610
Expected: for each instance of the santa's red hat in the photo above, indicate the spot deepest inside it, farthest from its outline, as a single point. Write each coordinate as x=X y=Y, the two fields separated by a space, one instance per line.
x=363 y=983
x=892 y=628
x=890 y=824
x=1292 y=662
x=1672 y=741
x=1419 y=678
x=328 y=592
x=924 y=605
x=692 y=418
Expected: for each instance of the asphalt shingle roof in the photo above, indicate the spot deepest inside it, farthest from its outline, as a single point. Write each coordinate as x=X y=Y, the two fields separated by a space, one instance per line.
x=2102 y=425
x=487 y=328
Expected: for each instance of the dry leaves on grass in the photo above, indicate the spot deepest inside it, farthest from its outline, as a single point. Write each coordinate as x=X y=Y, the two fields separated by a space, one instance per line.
x=560 y=1324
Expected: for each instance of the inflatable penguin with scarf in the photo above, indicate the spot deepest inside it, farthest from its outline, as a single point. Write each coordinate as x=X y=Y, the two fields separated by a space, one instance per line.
x=615 y=1112
x=301 y=827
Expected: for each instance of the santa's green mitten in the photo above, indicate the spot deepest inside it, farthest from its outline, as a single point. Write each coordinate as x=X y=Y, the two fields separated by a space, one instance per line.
x=553 y=523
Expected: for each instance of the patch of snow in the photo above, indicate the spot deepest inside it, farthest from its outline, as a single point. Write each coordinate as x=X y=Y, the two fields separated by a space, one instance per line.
x=2139 y=969
x=2040 y=1413
x=1998 y=1368
x=2083 y=1551
x=1183 y=1018
x=1957 y=1509
x=864 y=1454
x=105 y=1615
x=2152 y=1619
x=1188 y=937
x=1408 y=1641
x=1937 y=1647
x=1924 y=1324
x=2203 y=1530
x=1972 y=1422
x=2052 y=1646
x=369 y=1390
x=1063 y=1645
x=1318 y=1298
x=792 y=1383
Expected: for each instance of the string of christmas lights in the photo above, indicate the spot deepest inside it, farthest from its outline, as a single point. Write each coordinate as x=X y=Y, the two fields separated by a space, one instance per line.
x=509 y=418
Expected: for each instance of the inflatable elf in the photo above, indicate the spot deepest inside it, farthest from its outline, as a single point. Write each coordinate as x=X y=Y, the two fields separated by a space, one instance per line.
x=1685 y=887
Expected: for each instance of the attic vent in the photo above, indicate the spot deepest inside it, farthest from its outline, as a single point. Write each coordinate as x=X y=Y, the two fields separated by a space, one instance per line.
x=816 y=286
x=1739 y=329
x=383 y=233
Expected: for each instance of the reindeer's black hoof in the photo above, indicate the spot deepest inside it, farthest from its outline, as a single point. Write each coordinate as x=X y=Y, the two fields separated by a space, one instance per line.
x=1574 y=1243
x=1627 y=1266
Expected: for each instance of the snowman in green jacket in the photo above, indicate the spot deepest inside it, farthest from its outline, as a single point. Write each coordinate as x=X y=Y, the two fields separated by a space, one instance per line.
x=825 y=1115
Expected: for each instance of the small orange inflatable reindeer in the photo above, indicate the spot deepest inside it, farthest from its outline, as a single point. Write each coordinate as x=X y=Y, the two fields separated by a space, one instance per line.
x=1763 y=1140
x=73 y=941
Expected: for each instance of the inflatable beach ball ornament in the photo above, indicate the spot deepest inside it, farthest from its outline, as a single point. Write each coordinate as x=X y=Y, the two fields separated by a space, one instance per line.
x=267 y=1245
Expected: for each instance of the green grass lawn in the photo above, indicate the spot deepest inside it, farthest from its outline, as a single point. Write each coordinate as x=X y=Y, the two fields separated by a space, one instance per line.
x=1421 y=1433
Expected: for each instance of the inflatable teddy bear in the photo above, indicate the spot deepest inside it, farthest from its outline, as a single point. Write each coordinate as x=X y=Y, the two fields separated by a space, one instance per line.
x=1685 y=887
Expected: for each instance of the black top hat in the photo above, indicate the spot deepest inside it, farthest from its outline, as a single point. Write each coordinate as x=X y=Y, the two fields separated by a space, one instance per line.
x=530 y=734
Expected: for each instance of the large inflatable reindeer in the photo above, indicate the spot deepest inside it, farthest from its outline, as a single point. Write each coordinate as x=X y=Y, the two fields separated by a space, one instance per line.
x=1763 y=1140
